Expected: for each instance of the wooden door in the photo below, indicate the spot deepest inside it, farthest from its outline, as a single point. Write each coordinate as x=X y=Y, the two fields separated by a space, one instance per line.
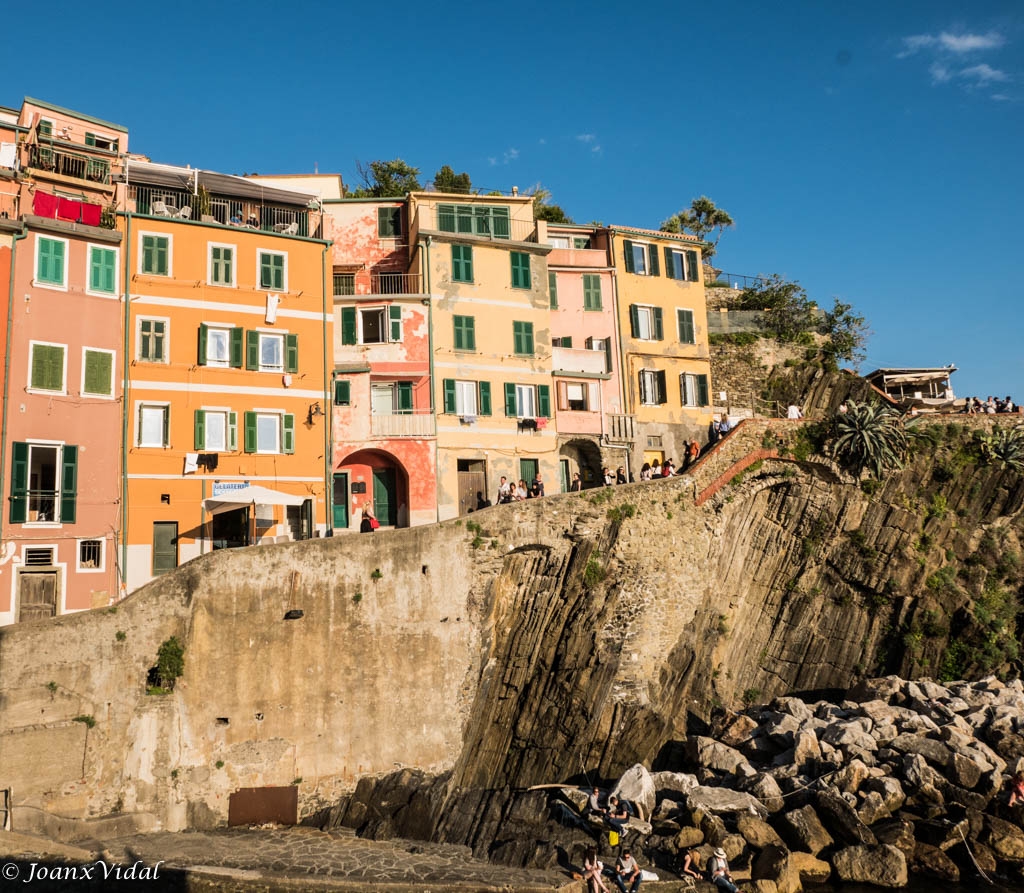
x=37 y=595
x=385 y=496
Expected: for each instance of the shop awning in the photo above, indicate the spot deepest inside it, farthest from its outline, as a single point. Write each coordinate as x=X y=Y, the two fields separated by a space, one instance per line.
x=246 y=496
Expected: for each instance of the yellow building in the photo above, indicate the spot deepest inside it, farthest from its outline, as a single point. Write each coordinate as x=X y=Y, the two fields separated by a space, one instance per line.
x=487 y=276
x=226 y=334
x=664 y=339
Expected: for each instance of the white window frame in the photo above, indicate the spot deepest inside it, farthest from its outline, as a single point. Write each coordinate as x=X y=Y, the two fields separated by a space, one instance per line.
x=170 y=254
x=652 y=389
x=521 y=391
x=209 y=265
x=584 y=386
x=278 y=415
x=467 y=401
x=53 y=286
x=64 y=373
x=224 y=412
x=645 y=311
x=675 y=252
x=259 y=257
x=392 y=387
x=385 y=323
x=90 y=248
x=167 y=339
x=113 y=366
x=280 y=338
x=140 y=405
x=221 y=328
x=559 y=241
x=57 y=445
x=645 y=258
x=689 y=395
x=82 y=569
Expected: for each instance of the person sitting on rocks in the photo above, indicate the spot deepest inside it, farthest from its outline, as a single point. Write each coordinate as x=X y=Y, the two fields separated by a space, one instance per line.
x=1017 y=789
x=691 y=865
x=718 y=872
x=594 y=806
x=627 y=872
x=617 y=815
x=593 y=869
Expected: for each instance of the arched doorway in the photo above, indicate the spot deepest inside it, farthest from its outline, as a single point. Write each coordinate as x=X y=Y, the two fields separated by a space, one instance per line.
x=375 y=477
x=583 y=456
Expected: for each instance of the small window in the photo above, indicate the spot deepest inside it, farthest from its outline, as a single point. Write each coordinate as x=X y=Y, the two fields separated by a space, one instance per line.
x=271 y=352
x=520 y=270
x=47 y=367
x=574 y=396
x=154 y=422
x=526 y=401
x=389 y=223
x=372 y=326
x=165 y=547
x=605 y=346
x=344 y=284
x=90 y=555
x=98 y=372
x=522 y=338
x=592 y=292
x=156 y=255
x=465 y=333
x=558 y=241
x=222 y=265
x=465 y=398
x=102 y=270
x=684 y=318
x=50 y=261
x=273 y=270
x=646 y=323
x=693 y=389
x=342 y=392
x=581 y=242
x=652 y=387
x=394 y=398
x=640 y=258
x=682 y=265
x=563 y=341
x=269 y=432
x=553 y=290
x=462 y=263
x=44 y=483
x=638 y=253
x=216 y=430
x=152 y=340
x=218 y=346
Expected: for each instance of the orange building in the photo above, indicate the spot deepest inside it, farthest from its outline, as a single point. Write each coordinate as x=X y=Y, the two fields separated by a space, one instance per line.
x=227 y=410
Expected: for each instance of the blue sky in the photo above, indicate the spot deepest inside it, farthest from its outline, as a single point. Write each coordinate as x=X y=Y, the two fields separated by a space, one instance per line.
x=873 y=151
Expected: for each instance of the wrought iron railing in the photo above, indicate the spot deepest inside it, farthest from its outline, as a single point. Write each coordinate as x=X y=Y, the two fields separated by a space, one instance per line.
x=388 y=283
x=69 y=164
x=478 y=225
x=43 y=505
x=737 y=281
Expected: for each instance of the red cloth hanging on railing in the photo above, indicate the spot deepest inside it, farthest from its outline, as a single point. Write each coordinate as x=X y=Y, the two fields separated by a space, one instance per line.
x=91 y=213
x=44 y=204
x=69 y=209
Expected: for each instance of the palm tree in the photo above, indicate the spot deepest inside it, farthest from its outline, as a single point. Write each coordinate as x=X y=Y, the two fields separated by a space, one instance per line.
x=869 y=436
x=701 y=218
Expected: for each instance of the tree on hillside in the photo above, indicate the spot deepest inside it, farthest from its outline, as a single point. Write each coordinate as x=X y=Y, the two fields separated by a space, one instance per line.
x=847 y=334
x=446 y=180
x=544 y=209
x=701 y=219
x=788 y=312
x=386 y=179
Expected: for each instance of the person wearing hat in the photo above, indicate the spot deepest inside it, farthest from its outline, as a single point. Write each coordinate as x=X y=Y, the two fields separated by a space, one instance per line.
x=718 y=872
x=627 y=872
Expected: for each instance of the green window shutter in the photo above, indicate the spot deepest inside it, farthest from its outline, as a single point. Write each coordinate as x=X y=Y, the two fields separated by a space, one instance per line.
x=484 y=403
x=291 y=353
x=154 y=255
x=405 y=396
x=467 y=262
x=591 y=291
x=200 y=429
x=101 y=270
x=634 y=320
x=19 y=483
x=670 y=267
x=500 y=224
x=47 y=367
x=510 y=399
x=462 y=263
x=203 y=329
x=147 y=254
x=692 y=267
x=627 y=255
x=520 y=269
x=553 y=290
x=528 y=337
x=608 y=354
x=518 y=338
x=252 y=350
x=250 y=432
x=167 y=426
x=685 y=319
x=348 y=325
x=161 y=256
x=659 y=329
x=288 y=441
x=446 y=218
x=342 y=392
x=652 y=252
x=237 y=347
x=51 y=262
x=465 y=333
x=544 y=401
x=68 y=485
x=395 y=319
x=702 y=391
x=90 y=139
x=99 y=366
x=389 y=222
x=565 y=341
x=266 y=271
x=449 y=396
x=660 y=378
x=232 y=431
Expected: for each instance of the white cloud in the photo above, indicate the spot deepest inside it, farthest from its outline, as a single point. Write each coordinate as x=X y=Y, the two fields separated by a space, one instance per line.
x=509 y=155
x=596 y=147
x=940 y=73
x=586 y=137
x=542 y=141
x=1001 y=97
x=492 y=161
x=984 y=74
x=951 y=43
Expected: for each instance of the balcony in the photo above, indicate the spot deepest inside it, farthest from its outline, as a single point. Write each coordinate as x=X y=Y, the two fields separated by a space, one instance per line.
x=569 y=360
x=387 y=283
x=484 y=223
x=8 y=206
x=578 y=257
x=404 y=424
x=69 y=164
x=621 y=428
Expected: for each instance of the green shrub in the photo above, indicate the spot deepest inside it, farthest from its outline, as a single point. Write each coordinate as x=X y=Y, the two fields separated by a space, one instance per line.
x=938 y=508
x=170 y=663
x=86 y=719
x=593 y=573
x=869 y=436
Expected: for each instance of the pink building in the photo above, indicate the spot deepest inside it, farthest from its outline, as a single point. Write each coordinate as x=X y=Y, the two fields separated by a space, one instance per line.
x=593 y=431
x=383 y=419
x=63 y=369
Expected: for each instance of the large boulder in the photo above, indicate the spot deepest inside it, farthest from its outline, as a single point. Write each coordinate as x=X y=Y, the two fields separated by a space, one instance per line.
x=689 y=837
x=841 y=819
x=933 y=862
x=872 y=808
x=851 y=776
x=757 y=832
x=723 y=801
x=804 y=830
x=897 y=832
x=881 y=865
x=780 y=728
x=812 y=869
x=805 y=748
x=637 y=786
x=711 y=754
x=889 y=789
x=733 y=729
x=673 y=784
x=1005 y=839
x=766 y=789
x=935 y=752
x=773 y=864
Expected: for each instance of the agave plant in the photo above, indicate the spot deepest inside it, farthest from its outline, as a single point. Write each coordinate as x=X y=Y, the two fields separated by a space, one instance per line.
x=1004 y=446
x=869 y=436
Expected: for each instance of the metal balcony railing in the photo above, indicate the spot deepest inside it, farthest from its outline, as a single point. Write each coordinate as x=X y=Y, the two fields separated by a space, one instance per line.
x=69 y=164
x=43 y=505
x=405 y=424
x=387 y=283
x=486 y=222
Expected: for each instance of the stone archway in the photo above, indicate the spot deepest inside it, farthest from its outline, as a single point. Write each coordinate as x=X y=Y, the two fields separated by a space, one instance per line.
x=583 y=456
x=378 y=478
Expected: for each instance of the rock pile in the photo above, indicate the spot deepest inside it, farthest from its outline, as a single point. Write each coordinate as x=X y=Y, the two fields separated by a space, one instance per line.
x=902 y=777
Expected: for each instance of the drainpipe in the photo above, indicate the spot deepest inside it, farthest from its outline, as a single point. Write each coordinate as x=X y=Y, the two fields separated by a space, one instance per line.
x=328 y=411
x=425 y=263
x=7 y=359
x=620 y=340
x=124 y=400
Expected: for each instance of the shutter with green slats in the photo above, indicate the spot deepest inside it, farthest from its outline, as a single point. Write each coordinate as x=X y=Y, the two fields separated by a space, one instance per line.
x=291 y=353
x=627 y=255
x=607 y=354
x=167 y=426
x=685 y=318
x=47 y=367
x=50 y=268
x=288 y=430
x=484 y=389
x=237 y=347
x=449 y=396
x=520 y=269
x=252 y=350
x=659 y=329
x=510 y=399
x=203 y=329
x=702 y=390
x=272 y=270
x=68 y=484
x=553 y=290
x=19 y=483
x=634 y=320
x=348 y=325
x=99 y=368
x=465 y=333
x=544 y=401
x=395 y=320
x=591 y=291
x=662 y=392
x=500 y=223
x=652 y=253
x=342 y=392
x=565 y=341
x=389 y=223
x=644 y=398
x=670 y=266
x=692 y=267
x=446 y=218
x=250 y=432
x=232 y=431
x=405 y=396
x=101 y=270
x=200 y=429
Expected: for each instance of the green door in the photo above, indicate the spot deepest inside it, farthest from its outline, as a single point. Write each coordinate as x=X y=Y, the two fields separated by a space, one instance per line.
x=165 y=546
x=528 y=469
x=385 y=502
x=340 y=501
x=563 y=474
